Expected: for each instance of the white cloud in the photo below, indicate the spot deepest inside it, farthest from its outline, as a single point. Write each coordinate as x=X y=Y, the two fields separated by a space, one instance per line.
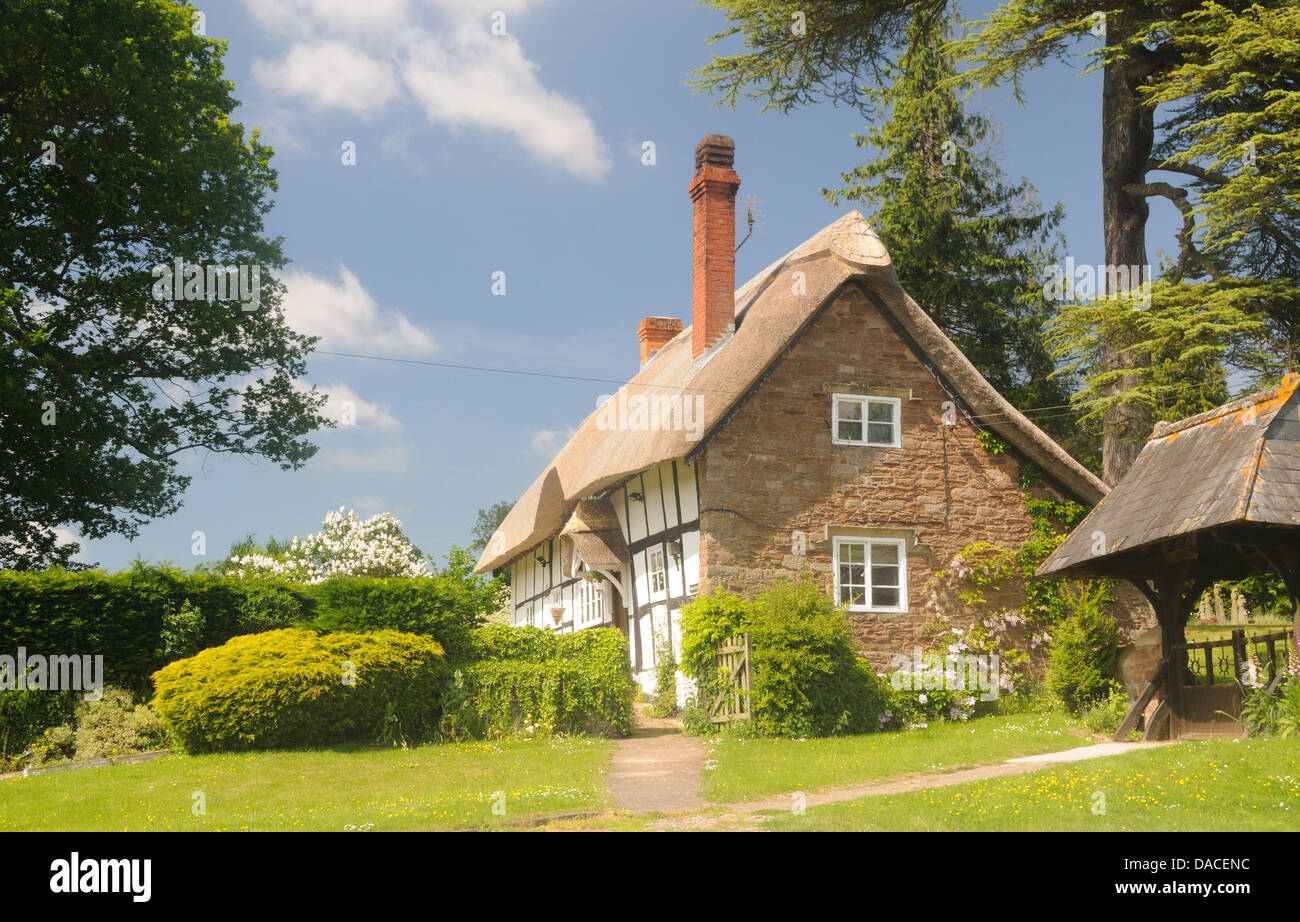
x=329 y=75
x=67 y=536
x=548 y=442
x=369 y=505
x=360 y=57
x=343 y=402
x=346 y=316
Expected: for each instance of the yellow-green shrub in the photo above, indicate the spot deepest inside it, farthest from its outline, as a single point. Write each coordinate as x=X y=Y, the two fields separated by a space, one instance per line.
x=291 y=688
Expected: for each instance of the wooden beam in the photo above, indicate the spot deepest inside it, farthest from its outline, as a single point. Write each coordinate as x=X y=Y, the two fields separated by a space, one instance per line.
x=1139 y=705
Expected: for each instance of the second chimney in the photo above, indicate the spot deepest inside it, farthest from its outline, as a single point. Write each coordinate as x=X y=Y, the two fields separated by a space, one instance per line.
x=655 y=333
x=713 y=275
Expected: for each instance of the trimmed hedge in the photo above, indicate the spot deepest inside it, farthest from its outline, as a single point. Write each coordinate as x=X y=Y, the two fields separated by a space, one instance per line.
x=287 y=688
x=414 y=606
x=806 y=678
x=526 y=680
x=123 y=615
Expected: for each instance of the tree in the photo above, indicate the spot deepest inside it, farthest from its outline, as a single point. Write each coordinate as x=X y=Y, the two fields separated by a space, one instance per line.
x=1230 y=298
x=486 y=524
x=797 y=52
x=967 y=245
x=119 y=158
x=345 y=546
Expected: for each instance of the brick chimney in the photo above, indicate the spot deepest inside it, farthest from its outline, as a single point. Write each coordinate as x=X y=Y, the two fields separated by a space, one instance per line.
x=713 y=276
x=655 y=333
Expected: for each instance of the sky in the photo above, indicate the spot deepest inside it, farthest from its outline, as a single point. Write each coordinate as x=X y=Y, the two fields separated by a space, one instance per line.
x=523 y=153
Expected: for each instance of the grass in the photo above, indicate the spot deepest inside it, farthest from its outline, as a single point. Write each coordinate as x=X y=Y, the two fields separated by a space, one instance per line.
x=1237 y=785
x=750 y=769
x=443 y=786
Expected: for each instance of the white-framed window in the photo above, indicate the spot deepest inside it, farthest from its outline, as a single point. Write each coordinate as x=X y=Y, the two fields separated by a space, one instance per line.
x=658 y=572
x=861 y=420
x=871 y=573
x=592 y=601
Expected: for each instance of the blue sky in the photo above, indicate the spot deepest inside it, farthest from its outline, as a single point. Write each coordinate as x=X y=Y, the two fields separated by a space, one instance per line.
x=520 y=153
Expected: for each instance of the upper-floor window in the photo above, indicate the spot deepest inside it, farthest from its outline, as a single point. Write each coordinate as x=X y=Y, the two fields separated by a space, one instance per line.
x=658 y=572
x=871 y=573
x=860 y=420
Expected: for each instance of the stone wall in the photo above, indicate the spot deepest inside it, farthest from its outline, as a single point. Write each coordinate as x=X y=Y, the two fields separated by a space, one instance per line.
x=773 y=470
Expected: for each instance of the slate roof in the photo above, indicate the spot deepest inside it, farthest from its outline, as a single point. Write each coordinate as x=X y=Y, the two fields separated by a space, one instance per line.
x=769 y=314
x=1238 y=464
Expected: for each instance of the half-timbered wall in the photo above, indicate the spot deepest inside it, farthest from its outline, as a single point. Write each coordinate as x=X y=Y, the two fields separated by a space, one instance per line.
x=658 y=510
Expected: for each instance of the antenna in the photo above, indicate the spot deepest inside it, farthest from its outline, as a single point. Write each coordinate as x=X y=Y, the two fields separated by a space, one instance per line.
x=753 y=217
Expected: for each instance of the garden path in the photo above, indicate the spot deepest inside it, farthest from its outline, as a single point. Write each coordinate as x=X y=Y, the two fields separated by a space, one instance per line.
x=657 y=768
x=734 y=812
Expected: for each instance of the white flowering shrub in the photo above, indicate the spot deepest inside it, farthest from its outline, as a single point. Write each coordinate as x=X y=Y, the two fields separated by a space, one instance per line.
x=345 y=546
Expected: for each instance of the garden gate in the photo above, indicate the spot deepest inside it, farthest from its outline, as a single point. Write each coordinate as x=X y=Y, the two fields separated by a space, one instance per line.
x=732 y=701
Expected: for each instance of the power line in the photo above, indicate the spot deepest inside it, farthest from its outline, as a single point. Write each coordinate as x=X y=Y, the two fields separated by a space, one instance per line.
x=1032 y=414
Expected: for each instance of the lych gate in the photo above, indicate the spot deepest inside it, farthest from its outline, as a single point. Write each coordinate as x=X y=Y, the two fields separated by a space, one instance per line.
x=1213 y=497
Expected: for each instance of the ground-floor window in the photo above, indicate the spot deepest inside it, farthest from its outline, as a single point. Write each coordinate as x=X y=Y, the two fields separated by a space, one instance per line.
x=592 y=602
x=871 y=573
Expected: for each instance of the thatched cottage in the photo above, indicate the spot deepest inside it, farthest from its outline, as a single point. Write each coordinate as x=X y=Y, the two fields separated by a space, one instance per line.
x=813 y=420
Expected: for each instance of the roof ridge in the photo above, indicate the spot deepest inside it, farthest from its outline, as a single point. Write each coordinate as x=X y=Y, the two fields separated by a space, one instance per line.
x=1283 y=389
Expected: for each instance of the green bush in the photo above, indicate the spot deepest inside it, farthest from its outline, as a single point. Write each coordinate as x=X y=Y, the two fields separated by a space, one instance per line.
x=25 y=716
x=806 y=678
x=291 y=687
x=115 y=725
x=1278 y=713
x=664 y=703
x=442 y=606
x=496 y=641
x=1082 y=663
x=1108 y=713
x=526 y=680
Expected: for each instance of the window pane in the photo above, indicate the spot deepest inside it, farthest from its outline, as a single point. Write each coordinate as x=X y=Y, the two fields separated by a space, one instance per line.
x=884 y=598
x=884 y=553
x=849 y=409
x=880 y=434
x=858 y=596
x=853 y=553
x=880 y=412
x=884 y=576
x=850 y=431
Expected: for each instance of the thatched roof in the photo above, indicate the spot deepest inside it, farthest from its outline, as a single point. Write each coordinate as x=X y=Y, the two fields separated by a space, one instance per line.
x=1236 y=465
x=768 y=316
x=595 y=531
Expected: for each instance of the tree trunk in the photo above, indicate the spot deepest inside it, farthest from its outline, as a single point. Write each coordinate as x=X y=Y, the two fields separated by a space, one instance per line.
x=1127 y=136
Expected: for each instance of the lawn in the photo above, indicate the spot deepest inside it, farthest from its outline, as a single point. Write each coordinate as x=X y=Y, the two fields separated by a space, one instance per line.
x=750 y=769
x=1237 y=785
x=444 y=786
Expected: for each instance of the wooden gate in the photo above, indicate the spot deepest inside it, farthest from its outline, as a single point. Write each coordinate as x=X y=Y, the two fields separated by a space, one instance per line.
x=1209 y=695
x=731 y=703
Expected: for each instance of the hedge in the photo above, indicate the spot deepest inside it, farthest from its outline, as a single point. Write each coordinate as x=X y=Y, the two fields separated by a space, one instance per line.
x=122 y=615
x=526 y=680
x=143 y=618
x=414 y=606
x=291 y=688
x=806 y=678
